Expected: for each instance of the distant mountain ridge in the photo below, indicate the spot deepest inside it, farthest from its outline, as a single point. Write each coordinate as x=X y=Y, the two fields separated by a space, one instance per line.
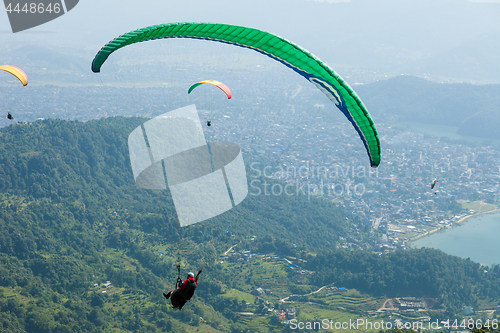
x=475 y=109
x=442 y=39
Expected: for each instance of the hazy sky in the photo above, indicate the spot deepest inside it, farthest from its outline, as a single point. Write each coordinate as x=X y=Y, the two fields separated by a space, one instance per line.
x=332 y=1
x=455 y=39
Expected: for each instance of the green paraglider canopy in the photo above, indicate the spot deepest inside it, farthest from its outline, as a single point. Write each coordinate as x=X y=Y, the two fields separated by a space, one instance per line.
x=278 y=48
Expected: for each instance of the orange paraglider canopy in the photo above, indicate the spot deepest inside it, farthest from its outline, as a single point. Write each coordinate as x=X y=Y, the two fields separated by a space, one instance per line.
x=17 y=72
x=218 y=84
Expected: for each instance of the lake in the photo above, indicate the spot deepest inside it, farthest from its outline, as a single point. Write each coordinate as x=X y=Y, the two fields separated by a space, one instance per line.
x=446 y=131
x=477 y=239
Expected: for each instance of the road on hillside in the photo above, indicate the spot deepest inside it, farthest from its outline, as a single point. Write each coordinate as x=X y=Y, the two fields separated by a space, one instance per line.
x=283 y=300
x=225 y=253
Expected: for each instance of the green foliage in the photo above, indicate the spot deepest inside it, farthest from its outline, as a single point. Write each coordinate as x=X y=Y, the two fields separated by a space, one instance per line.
x=423 y=272
x=71 y=216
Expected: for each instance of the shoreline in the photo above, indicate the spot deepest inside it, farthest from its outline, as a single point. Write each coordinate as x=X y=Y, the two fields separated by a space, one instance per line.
x=460 y=222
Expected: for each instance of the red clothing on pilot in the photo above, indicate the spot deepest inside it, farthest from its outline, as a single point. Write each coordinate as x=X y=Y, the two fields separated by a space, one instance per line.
x=190 y=279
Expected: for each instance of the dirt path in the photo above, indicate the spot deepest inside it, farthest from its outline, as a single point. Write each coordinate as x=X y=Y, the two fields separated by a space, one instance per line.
x=288 y=261
x=313 y=292
x=385 y=308
x=225 y=253
x=377 y=221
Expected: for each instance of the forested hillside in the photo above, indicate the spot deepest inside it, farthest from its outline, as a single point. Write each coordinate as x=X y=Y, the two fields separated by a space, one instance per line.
x=71 y=218
x=454 y=282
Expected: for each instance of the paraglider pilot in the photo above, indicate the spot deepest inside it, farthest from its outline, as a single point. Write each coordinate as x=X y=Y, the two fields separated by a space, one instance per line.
x=180 y=296
x=9 y=116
